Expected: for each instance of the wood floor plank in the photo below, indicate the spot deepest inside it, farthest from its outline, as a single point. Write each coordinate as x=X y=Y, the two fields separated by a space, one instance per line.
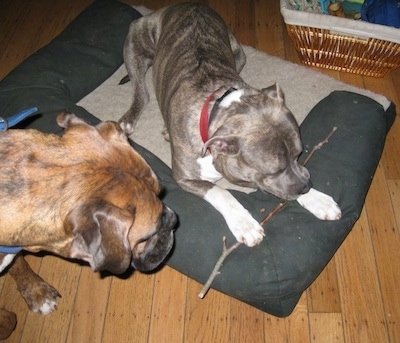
x=19 y=47
x=395 y=78
x=291 y=54
x=225 y=9
x=391 y=153
x=386 y=240
x=352 y=79
x=168 y=308
x=297 y=324
x=326 y=327
x=359 y=287
x=207 y=319
x=16 y=52
x=394 y=189
x=323 y=295
x=129 y=308
x=244 y=24
x=246 y=321
x=10 y=20
x=57 y=18
x=380 y=85
x=89 y=308
x=268 y=23
x=275 y=329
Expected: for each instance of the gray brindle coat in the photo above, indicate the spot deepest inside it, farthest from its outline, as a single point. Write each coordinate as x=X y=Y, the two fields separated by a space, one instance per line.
x=254 y=138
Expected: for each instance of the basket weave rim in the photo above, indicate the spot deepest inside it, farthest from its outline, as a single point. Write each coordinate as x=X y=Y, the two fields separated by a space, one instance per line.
x=344 y=26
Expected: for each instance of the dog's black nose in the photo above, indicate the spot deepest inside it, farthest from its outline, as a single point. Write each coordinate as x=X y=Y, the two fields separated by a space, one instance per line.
x=306 y=188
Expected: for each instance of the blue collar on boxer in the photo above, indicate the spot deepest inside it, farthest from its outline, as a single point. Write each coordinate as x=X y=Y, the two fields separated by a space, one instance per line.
x=6 y=123
x=9 y=250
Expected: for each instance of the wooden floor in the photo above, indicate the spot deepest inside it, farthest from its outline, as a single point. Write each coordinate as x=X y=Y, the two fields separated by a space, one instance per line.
x=355 y=299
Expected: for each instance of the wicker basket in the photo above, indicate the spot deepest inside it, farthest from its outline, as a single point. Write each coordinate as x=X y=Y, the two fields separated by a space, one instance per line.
x=342 y=44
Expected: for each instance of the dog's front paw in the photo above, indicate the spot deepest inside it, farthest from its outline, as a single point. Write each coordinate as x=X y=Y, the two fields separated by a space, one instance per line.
x=126 y=126
x=128 y=122
x=320 y=205
x=41 y=297
x=246 y=229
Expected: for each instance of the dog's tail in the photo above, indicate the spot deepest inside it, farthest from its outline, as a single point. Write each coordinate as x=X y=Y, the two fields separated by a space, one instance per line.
x=125 y=79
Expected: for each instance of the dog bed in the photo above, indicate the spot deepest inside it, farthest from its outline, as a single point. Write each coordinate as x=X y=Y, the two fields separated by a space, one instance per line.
x=273 y=275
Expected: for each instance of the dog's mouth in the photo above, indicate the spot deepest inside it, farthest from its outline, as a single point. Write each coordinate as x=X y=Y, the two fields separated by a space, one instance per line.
x=289 y=193
x=148 y=254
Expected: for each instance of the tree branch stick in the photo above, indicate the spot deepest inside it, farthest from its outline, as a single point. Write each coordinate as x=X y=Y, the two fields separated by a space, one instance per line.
x=226 y=251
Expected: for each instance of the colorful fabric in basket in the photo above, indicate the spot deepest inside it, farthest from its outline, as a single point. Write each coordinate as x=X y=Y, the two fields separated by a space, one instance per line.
x=383 y=12
x=306 y=5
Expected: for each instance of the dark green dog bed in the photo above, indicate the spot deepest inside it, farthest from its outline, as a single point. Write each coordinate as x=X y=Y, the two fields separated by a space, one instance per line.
x=273 y=275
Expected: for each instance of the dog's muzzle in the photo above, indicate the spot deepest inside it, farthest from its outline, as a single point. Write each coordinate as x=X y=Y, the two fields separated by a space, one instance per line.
x=158 y=246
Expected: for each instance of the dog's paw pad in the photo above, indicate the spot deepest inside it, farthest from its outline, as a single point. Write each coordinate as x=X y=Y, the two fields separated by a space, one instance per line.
x=251 y=239
x=41 y=297
x=126 y=127
x=331 y=211
x=248 y=231
x=49 y=306
x=320 y=205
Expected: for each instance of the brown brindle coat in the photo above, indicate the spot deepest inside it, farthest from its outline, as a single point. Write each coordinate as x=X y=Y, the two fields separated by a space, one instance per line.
x=86 y=195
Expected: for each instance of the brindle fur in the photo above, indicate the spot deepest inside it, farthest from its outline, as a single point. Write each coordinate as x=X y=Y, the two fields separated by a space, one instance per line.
x=254 y=141
x=87 y=195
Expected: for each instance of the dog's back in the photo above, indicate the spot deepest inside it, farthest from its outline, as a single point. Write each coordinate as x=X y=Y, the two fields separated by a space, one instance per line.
x=44 y=176
x=200 y=36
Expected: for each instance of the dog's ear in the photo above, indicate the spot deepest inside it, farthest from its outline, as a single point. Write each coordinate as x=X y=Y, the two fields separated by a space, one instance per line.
x=274 y=92
x=111 y=130
x=65 y=119
x=100 y=232
x=226 y=145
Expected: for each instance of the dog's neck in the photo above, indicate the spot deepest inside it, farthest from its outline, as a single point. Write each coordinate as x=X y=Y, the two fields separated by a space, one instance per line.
x=232 y=94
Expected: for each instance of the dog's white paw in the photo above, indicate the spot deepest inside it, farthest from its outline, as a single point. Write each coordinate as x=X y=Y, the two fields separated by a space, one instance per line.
x=127 y=127
x=47 y=307
x=40 y=296
x=246 y=229
x=241 y=223
x=320 y=205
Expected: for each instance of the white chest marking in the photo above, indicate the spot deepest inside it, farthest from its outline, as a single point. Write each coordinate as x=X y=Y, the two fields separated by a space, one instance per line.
x=207 y=169
x=234 y=96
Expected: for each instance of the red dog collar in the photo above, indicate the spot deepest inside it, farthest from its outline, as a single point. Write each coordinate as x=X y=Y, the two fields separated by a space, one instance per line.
x=205 y=118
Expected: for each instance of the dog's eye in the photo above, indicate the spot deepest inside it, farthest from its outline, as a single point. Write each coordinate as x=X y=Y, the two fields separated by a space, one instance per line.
x=278 y=172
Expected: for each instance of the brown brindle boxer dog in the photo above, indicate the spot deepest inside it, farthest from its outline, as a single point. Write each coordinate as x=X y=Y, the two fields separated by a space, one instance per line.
x=86 y=195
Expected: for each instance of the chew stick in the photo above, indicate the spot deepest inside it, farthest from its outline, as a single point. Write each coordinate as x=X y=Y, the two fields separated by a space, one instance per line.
x=226 y=251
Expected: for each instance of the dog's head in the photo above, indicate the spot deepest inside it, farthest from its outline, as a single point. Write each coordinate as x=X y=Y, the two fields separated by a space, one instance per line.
x=258 y=145
x=120 y=220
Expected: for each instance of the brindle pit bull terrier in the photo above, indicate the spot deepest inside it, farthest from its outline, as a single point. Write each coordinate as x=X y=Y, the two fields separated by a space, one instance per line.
x=86 y=195
x=250 y=138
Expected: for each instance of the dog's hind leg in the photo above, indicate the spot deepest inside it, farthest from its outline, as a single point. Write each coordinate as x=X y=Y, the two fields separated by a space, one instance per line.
x=40 y=296
x=138 y=56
